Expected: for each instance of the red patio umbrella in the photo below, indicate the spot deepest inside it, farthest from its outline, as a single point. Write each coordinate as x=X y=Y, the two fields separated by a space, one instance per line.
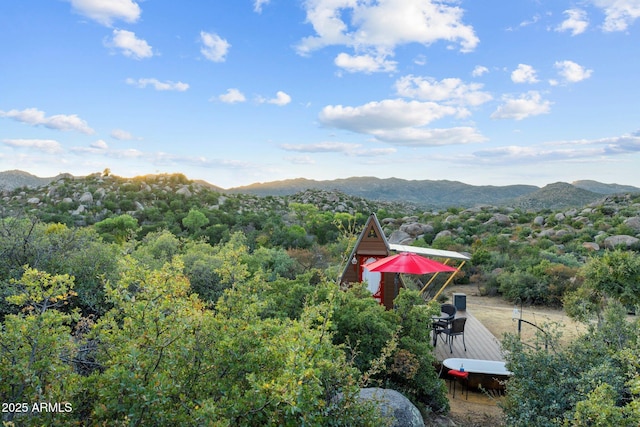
x=408 y=263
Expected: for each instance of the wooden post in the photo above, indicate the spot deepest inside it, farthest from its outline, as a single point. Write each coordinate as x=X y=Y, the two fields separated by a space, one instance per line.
x=435 y=297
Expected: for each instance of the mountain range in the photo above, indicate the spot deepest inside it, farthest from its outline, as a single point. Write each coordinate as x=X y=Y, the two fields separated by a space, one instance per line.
x=422 y=193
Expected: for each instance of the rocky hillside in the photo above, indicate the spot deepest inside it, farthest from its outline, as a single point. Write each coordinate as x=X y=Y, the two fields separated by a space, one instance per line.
x=599 y=187
x=86 y=200
x=424 y=194
x=159 y=201
x=10 y=180
x=556 y=196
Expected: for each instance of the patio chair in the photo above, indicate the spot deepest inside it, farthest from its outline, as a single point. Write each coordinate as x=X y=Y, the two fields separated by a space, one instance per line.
x=444 y=322
x=456 y=329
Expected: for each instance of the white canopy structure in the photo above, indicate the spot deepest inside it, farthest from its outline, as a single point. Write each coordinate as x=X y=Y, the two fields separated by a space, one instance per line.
x=429 y=252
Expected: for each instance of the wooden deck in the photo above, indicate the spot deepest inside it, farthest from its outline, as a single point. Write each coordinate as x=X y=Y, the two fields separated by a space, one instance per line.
x=481 y=344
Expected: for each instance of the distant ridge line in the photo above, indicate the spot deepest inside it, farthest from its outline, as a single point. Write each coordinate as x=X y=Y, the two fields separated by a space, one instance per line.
x=424 y=193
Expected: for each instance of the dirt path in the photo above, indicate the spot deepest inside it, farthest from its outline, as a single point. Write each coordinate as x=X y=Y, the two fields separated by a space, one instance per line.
x=497 y=315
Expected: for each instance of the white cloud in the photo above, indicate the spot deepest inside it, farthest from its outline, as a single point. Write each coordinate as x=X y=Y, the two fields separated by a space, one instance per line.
x=257 y=5
x=524 y=74
x=98 y=147
x=100 y=144
x=560 y=151
x=619 y=13
x=214 y=48
x=421 y=137
x=576 y=22
x=572 y=72
x=386 y=114
x=321 y=147
x=450 y=90
x=381 y=26
x=281 y=99
x=35 y=117
x=130 y=45
x=349 y=149
x=420 y=60
x=121 y=135
x=158 y=85
x=232 y=96
x=531 y=21
x=129 y=153
x=527 y=105
x=373 y=152
x=49 y=146
x=300 y=160
x=399 y=122
x=107 y=11
x=479 y=70
x=364 y=63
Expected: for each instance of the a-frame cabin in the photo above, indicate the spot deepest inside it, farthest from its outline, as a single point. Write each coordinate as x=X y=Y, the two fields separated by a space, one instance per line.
x=372 y=245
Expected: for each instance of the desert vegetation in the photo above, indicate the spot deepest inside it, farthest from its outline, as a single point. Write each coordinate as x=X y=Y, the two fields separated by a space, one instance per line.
x=161 y=301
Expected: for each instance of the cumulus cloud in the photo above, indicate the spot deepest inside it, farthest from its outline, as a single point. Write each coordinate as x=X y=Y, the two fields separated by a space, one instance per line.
x=524 y=74
x=48 y=146
x=619 y=13
x=130 y=45
x=232 y=96
x=380 y=27
x=386 y=114
x=422 y=137
x=281 y=99
x=479 y=70
x=214 y=47
x=35 y=117
x=399 y=122
x=450 y=90
x=158 y=85
x=527 y=105
x=572 y=72
x=107 y=11
x=364 y=63
x=576 y=22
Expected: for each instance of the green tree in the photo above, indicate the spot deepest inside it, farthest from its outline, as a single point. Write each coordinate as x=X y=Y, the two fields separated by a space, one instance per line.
x=614 y=276
x=117 y=229
x=195 y=220
x=144 y=339
x=36 y=348
x=566 y=386
x=166 y=360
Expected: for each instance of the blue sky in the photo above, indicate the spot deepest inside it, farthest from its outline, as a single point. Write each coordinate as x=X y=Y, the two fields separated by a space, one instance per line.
x=243 y=91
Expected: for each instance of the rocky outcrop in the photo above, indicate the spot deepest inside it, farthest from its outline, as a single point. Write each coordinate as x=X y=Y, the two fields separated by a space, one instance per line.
x=591 y=246
x=621 y=240
x=400 y=238
x=633 y=223
x=184 y=191
x=86 y=198
x=394 y=406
